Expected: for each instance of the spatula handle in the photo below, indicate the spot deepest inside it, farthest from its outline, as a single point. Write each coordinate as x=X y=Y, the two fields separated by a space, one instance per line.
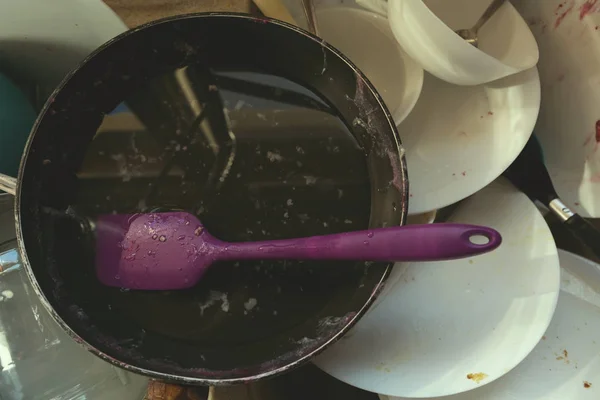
x=431 y=242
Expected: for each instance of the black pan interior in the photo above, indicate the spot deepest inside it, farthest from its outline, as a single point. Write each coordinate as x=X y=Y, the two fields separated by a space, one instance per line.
x=302 y=148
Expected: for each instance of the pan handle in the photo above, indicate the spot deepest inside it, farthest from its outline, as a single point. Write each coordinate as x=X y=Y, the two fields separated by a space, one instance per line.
x=158 y=390
x=8 y=184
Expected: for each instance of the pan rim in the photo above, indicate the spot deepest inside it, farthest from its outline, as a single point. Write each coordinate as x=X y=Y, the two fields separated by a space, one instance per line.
x=277 y=370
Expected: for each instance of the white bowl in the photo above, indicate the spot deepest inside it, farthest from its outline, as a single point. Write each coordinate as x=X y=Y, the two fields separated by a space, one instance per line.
x=425 y=29
x=566 y=362
x=442 y=321
x=41 y=40
x=458 y=139
x=568 y=127
x=367 y=40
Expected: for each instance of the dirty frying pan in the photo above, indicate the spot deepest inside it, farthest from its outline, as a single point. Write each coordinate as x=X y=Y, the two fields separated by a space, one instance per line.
x=259 y=129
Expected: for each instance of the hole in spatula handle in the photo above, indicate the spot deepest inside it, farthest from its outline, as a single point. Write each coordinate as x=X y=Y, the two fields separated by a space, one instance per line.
x=479 y=239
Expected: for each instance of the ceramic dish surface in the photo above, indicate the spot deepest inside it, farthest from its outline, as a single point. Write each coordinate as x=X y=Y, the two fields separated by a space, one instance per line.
x=425 y=29
x=566 y=362
x=449 y=327
x=458 y=139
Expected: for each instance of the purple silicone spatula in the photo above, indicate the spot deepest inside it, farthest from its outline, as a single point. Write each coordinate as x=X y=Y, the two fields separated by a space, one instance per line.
x=171 y=250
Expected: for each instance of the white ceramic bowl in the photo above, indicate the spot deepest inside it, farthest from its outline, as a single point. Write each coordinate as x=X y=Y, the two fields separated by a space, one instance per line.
x=458 y=139
x=366 y=39
x=566 y=362
x=425 y=29
x=443 y=322
x=568 y=127
x=41 y=40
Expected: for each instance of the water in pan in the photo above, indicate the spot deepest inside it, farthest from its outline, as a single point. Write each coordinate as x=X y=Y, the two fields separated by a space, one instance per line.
x=254 y=157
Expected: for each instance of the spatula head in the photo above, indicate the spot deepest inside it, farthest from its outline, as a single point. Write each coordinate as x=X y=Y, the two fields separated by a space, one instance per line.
x=157 y=251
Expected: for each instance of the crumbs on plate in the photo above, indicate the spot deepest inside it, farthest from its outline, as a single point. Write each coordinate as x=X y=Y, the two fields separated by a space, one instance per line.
x=477 y=377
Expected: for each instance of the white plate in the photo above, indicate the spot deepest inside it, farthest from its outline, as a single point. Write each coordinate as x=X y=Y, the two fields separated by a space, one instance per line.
x=458 y=139
x=367 y=40
x=425 y=29
x=569 y=39
x=444 y=320
x=568 y=355
x=43 y=40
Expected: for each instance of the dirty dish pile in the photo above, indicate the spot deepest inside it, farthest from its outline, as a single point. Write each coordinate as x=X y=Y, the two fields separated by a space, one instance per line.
x=427 y=336
x=292 y=160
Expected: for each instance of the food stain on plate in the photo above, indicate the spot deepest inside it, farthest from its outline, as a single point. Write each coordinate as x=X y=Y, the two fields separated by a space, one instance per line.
x=564 y=356
x=477 y=377
x=382 y=367
x=587 y=384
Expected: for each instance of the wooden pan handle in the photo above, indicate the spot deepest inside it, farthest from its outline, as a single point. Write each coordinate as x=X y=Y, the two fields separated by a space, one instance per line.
x=158 y=390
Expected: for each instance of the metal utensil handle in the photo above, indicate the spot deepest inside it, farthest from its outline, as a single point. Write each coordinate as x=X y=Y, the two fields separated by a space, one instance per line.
x=487 y=14
x=8 y=184
x=311 y=16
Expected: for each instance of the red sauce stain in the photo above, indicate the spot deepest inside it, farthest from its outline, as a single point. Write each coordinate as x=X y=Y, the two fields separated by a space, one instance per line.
x=598 y=131
x=586 y=8
x=562 y=15
x=490 y=113
x=587 y=385
x=595 y=178
x=464 y=173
